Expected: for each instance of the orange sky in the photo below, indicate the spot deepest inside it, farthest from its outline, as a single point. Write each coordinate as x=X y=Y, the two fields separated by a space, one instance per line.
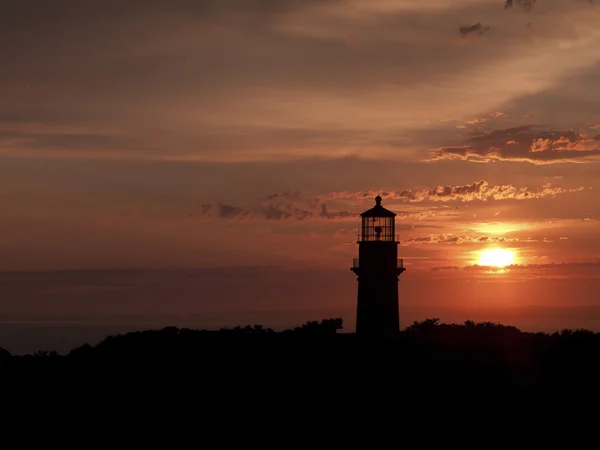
x=241 y=133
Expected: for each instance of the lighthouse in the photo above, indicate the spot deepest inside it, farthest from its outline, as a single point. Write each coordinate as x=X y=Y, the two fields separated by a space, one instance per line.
x=378 y=270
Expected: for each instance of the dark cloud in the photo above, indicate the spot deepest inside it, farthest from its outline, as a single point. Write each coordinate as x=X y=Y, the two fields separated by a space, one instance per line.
x=534 y=144
x=274 y=212
x=526 y=5
x=284 y=195
x=476 y=29
x=228 y=211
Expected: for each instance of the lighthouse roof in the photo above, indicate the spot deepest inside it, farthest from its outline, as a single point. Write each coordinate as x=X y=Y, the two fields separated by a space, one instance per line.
x=378 y=210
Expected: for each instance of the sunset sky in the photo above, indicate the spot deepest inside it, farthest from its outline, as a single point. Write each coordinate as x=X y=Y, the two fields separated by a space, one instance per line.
x=204 y=162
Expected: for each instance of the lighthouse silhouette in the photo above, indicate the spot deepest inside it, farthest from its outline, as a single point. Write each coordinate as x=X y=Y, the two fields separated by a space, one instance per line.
x=378 y=269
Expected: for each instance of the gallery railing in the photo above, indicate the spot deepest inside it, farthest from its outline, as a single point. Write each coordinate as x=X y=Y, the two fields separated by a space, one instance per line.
x=356 y=263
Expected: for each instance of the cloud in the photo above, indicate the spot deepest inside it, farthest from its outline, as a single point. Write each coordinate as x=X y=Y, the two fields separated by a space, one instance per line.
x=233 y=80
x=530 y=143
x=302 y=205
x=275 y=212
x=421 y=215
x=526 y=5
x=476 y=29
x=453 y=239
x=558 y=267
x=285 y=195
x=478 y=190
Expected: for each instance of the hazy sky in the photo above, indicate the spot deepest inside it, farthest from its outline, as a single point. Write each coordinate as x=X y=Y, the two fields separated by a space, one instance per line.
x=245 y=133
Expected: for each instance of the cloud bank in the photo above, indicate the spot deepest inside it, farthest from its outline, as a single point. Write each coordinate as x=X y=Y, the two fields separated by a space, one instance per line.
x=236 y=80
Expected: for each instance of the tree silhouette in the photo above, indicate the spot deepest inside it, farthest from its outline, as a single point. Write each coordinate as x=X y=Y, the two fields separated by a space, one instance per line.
x=425 y=325
x=469 y=357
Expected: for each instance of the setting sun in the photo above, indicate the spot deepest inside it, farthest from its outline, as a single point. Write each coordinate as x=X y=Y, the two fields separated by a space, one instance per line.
x=498 y=257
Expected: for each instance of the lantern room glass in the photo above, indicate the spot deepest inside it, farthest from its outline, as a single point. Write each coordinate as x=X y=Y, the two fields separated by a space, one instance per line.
x=378 y=229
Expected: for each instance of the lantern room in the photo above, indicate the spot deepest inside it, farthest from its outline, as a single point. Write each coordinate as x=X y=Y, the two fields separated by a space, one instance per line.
x=378 y=224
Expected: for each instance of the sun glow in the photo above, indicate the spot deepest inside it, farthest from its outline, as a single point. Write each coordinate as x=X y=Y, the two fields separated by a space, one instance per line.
x=497 y=257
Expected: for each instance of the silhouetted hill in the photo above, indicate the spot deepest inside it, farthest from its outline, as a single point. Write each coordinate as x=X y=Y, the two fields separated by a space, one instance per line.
x=428 y=355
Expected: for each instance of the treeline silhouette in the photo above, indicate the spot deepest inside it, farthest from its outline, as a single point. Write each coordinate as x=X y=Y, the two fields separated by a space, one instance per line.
x=427 y=354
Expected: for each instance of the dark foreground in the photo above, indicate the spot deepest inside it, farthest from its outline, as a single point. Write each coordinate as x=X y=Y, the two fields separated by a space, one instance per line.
x=428 y=356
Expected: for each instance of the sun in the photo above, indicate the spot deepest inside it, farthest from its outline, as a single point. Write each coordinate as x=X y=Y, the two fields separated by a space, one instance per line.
x=497 y=257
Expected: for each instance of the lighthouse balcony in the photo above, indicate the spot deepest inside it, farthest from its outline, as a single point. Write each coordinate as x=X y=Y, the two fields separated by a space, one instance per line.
x=356 y=263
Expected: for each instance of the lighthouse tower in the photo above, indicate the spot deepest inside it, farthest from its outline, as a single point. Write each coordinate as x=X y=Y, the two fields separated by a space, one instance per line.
x=378 y=269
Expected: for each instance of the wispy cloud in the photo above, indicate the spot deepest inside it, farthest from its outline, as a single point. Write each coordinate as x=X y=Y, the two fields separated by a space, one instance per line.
x=478 y=190
x=455 y=239
x=301 y=205
x=558 y=267
x=534 y=144
x=272 y=212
